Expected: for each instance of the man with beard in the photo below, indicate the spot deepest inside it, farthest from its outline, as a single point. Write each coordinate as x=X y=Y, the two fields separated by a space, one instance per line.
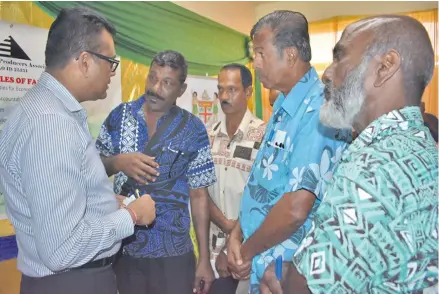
x=235 y=141
x=376 y=230
x=152 y=145
x=296 y=157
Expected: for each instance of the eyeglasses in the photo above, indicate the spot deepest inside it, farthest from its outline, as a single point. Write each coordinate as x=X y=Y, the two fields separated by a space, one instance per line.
x=114 y=63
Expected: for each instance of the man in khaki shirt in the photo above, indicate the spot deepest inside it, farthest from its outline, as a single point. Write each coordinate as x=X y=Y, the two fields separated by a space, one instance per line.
x=234 y=141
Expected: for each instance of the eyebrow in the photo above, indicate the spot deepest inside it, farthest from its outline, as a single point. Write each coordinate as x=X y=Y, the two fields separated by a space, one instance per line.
x=338 y=49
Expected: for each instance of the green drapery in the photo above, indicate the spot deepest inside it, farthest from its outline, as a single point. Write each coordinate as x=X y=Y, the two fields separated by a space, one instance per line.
x=145 y=28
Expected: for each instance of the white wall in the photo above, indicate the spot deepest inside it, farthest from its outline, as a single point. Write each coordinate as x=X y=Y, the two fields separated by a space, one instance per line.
x=317 y=10
x=238 y=15
x=242 y=15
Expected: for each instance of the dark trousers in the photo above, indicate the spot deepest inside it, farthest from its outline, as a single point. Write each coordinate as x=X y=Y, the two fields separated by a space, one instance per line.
x=167 y=275
x=85 y=281
x=224 y=286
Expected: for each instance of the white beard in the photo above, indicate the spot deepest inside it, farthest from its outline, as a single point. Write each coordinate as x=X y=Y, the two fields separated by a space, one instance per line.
x=343 y=104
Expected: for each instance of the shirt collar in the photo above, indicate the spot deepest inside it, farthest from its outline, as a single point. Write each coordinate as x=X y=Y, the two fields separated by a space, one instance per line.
x=61 y=92
x=297 y=94
x=242 y=129
x=137 y=105
x=396 y=121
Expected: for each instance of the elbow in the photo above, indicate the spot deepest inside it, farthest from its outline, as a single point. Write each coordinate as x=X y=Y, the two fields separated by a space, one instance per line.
x=297 y=218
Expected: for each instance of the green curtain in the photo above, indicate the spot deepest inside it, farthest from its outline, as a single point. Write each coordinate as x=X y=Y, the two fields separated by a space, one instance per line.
x=145 y=28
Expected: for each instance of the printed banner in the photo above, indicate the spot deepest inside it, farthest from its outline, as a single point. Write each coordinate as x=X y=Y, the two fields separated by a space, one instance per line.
x=201 y=98
x=21 y=64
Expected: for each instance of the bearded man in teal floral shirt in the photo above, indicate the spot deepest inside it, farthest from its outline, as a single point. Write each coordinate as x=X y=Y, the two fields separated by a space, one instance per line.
x=376 y=230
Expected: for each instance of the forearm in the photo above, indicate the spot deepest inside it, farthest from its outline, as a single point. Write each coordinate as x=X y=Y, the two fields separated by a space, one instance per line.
x=110 y=164
x=217 y=217
x=236 y=231
x=201 y=220
x=282 y=221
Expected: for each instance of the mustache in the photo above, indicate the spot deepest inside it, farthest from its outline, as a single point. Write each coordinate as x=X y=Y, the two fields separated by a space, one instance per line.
x=151 y=93
x=327 y=89
x=333 y=96
x=225 y=103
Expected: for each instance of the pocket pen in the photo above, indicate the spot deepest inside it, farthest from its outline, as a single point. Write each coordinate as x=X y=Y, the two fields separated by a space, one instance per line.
x=137 y=195
x=278 y=268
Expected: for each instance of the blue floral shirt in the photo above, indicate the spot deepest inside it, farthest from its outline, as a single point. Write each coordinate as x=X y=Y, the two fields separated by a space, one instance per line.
x=297 y=152
x=185 y=163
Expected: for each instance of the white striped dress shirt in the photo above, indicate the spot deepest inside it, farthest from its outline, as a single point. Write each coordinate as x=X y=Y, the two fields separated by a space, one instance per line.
x=57 y=193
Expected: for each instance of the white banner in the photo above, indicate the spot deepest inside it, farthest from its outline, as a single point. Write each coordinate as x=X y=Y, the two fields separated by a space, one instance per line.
x=201 y=98
x=21 y=64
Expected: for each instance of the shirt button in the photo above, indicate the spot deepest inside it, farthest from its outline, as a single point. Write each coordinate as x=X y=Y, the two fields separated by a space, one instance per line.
x=225 y=168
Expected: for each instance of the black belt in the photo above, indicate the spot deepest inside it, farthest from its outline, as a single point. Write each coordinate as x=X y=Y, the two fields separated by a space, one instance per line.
x=98 y=263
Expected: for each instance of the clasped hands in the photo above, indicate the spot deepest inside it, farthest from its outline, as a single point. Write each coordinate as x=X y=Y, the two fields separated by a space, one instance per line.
x=238 y=263
x=240 y=266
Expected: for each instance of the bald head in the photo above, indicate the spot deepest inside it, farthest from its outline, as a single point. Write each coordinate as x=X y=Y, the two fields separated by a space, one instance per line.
x=409 y=39
x=381 y=63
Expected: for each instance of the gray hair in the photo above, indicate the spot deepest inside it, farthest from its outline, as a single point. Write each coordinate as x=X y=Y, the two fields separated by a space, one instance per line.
x=174 y=60
x=74 y=31
x=291 y=30
x=410 y=39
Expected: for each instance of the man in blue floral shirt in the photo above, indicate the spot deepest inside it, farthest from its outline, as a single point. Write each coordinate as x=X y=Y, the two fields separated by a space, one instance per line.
x=159 y=259
x=297 y=154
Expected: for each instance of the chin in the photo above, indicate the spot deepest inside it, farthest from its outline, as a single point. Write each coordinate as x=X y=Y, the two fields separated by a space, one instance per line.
x=333 y=118
x=267 y=85
x=226 y=111
x=101 y=97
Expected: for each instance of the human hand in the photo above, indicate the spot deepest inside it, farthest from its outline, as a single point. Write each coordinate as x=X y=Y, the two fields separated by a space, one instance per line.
x=270 y=283
x=221 y=264
x=205 y=275
x=144 y=208
x=138 y=166
x=239 y=267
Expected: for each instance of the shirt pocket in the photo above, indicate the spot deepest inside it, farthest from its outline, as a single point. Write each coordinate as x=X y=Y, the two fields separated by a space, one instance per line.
x=172 y=162
x=244 y=152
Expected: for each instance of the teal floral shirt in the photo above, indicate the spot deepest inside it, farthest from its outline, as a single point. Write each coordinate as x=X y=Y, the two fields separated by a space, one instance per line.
x=297 y=152
x=376 y=230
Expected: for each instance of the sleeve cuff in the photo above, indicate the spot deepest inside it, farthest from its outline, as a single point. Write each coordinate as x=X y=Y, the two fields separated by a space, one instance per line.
x=123 y=224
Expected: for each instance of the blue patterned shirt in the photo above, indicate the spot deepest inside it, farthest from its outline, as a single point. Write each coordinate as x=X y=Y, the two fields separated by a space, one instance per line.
x=297 y=152
x=125 y=131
